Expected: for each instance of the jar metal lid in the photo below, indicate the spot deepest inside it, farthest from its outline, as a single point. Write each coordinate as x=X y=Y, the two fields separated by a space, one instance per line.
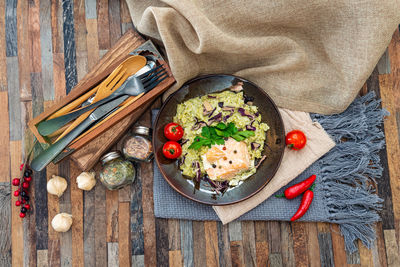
x=141 y=130
x=110 y=156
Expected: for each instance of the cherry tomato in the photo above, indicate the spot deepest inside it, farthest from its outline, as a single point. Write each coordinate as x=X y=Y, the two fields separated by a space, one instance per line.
x=172 y=150
x=173 y=131
x=296 y=140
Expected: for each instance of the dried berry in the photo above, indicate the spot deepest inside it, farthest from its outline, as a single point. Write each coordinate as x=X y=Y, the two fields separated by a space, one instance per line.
x=23 y=210
x=27 y=206
x=16 y=193
x=22 y=215
x=28 y=179
x=15 y=182
x=28 y=173
x=25 y=185
x=17 y=203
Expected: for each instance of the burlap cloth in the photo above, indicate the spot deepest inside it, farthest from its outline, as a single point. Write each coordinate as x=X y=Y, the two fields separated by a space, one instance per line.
x=309 y=55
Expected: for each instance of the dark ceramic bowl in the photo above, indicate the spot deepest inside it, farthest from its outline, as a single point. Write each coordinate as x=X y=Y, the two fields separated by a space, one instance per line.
x=273 y=149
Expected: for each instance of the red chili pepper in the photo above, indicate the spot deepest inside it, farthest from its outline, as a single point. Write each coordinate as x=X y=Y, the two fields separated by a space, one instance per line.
x=305 y=204
x=297 y=189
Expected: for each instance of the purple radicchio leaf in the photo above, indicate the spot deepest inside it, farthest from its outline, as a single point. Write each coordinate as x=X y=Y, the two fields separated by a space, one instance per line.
x=217 y=117
x=184 y=141
x=181 y=161
x=198 y=125
x=244 y=113
x=196 y=166
x=250 y=128
x=219 y=187
x=212 y=112
x=255 y=146
x=227 y=117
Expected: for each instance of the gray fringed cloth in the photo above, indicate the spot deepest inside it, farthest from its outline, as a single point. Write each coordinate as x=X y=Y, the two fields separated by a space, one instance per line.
x=343 y=193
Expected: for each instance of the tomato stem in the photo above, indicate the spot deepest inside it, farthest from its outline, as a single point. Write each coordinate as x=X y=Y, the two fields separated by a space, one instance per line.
x=280 y=196
x=171 y=150
x=290 y=146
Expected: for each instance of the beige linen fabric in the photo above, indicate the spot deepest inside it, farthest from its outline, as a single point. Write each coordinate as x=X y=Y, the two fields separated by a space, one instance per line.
x=293 y=162
x=309 y=55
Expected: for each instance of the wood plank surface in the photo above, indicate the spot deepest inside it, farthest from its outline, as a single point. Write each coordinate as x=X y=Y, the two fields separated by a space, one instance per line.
x=53 y=209
x=47 y=47
x=224 y=245
x=77 y=214
x=237 y=253
x=287 y=244
x=199 y=245
x=4 y=142
x=3 y=64
x=65 y=206
x=211 y=236
x=24 y=51
x=249 y=243
x=103 y=24
x=100 y=234
x=17 y=241
x=300 y=244
x=124 y=239
x=187 y=242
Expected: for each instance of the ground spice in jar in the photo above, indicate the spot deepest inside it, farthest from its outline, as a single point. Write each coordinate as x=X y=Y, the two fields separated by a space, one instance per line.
x=117 y=172
x=137 y=146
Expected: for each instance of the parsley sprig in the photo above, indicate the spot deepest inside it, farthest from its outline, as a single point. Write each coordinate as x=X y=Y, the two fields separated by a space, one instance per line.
x=214 y=135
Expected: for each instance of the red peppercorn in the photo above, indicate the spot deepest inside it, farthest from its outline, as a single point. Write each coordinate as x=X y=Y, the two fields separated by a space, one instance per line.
x=17 y=203
x=25 y=185
x=21 y=167
x=224 y=148
x=27 y=206
x=16 y=193
x=22 y=215
x=15 y=181
x=28 y=179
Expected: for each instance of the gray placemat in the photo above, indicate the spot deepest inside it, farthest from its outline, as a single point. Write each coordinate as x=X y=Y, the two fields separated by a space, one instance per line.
x=342 y=193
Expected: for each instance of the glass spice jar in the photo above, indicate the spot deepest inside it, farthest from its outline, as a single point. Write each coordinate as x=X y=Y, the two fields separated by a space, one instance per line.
x=137 y=145
x=117 y=172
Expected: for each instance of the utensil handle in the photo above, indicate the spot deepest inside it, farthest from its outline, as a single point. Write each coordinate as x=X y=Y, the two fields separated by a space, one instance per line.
x=48 y=127
x=44 y=158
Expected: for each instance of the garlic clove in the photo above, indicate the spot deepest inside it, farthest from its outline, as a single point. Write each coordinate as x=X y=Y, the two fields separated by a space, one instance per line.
x=56 y=185
x=86 y=180
x=62 y=222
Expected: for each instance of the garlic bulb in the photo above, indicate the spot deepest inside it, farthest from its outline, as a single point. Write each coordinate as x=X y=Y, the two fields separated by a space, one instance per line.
x=62 y=222
x=56 y=185
x=86 y=180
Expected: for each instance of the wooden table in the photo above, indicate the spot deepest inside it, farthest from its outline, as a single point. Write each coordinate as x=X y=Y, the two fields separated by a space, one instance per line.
x=47 y=49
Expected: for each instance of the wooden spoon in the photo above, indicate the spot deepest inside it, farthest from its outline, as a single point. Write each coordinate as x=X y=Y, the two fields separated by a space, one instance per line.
x=128 y=67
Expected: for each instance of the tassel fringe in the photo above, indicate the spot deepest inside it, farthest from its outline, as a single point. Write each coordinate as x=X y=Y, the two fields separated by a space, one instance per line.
x=351 y=168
